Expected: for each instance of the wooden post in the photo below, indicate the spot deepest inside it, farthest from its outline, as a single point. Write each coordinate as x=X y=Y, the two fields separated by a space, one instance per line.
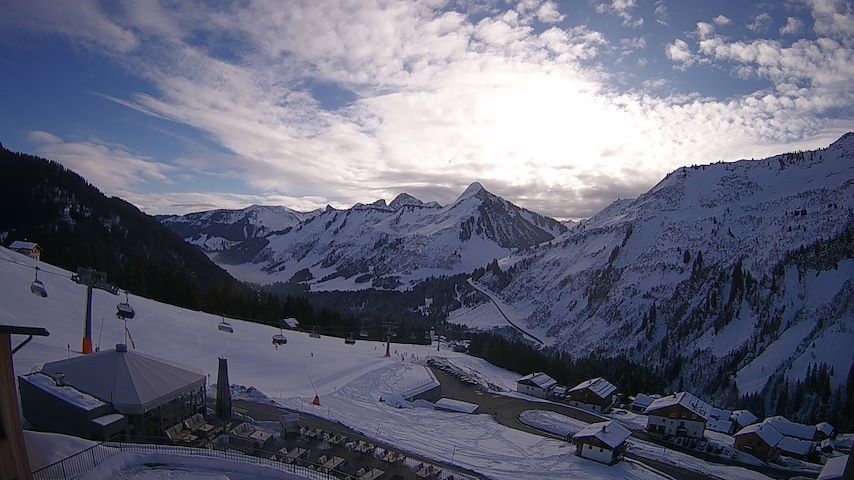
x=14 y=463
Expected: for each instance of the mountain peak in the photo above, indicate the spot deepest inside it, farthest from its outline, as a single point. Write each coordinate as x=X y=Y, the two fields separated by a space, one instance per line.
x=474 y=189
x=847 y=139
x=404 y=199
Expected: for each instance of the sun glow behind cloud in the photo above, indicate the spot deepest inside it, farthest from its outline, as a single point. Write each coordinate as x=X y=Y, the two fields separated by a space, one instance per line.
x=438 y=95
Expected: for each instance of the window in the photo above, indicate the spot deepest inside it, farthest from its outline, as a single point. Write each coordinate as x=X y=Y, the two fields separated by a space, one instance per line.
x=601 y=451
x=590 y=447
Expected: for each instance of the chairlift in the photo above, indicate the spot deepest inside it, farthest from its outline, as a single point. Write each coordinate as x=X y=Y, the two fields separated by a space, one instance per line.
x=363 y=333
x=350 y=340
x=314 y=333
x=225 y=326
x=123 y=310
x=280 y=338
x=37 y=287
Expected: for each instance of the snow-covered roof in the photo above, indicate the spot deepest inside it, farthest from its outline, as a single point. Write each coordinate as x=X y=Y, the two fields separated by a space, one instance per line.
x=108 y=419
x=794 y=445
x=538 y=379
x=825 y=428
x=17 y=244
x=834 y=469
x=560 y=391
x=643 y=400
x=426 y=387
x=744 y=417
x=66 y=392
x=684 y=399
x=455 y=405
x=291 y=322
x=766 y=432
x=133 y=382
x=718 y=425
x=791 y=429
x=610 y=433
x=599 y=386
x=720 y=413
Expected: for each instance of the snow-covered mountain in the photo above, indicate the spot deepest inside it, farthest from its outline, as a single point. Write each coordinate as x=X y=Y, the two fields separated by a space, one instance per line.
x=743 y=267
x=217 y=230
x=376 y=245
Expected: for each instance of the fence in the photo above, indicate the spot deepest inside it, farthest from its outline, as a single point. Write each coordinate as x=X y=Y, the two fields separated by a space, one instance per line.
x=86 y=460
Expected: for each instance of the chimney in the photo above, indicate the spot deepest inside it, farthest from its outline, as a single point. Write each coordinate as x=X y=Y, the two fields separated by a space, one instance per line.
x=60 y=379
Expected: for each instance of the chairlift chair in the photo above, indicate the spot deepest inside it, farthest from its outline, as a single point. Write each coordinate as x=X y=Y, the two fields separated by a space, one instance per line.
x=314 y=333
x=37 y=287
x=225 y=326
x=350 y=340
x=123 y=310
x=363 y=333
x=280 y=338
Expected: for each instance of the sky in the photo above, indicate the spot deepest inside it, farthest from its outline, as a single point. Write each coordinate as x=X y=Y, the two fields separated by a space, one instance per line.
x=560 y=107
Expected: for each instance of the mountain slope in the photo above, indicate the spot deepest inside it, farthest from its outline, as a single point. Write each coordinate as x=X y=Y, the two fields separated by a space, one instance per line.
x=217 y=230
x=733 y=267
x=389 y=245
x=78 y=226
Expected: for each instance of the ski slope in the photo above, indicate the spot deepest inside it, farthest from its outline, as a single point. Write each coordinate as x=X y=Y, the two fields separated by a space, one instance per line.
x=349 y=379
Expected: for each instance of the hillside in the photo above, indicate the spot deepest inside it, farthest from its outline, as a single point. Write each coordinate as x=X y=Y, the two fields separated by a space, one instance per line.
x=78 y=226
x=384 y=246
x=725 y=276
x=217 y=230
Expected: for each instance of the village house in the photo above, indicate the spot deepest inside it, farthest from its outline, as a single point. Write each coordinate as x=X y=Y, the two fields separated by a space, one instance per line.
x=680 y=414
x=30 y=249
x=743 y=418
x=641 y=401
x=792 y=429
x=837 y=468
x=796 y=448
x=536 y=384
x=602 y=442
x=824 y=431
x=773 y=437
x=596 y=394
x=759 y=440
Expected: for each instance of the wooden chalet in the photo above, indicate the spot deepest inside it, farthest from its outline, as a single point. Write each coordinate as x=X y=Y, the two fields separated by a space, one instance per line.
x=680 y=414
x=536 y=384
x=759 y=440
x=602 y=442
x=30 y=249
x=596 y=394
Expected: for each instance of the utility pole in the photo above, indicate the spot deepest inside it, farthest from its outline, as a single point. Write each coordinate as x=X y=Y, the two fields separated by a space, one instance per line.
x=92 y=279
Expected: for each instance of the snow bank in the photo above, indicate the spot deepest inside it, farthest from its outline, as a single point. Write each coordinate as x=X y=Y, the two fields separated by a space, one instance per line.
x=45 y=449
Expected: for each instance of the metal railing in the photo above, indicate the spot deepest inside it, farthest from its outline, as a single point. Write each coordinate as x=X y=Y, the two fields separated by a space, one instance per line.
x=86 y=460
x=77 y=464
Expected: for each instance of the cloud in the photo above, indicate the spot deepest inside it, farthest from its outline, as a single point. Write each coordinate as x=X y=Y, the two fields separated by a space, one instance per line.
x=45 y=138
x=793 y=26
x=705 y=30
x=548 y=13
x=623 y=9
x=722 y=20
x=760 y=23
x=111 y=168
x=87 y=24
x=660 y=13
x=679 y=52
x=834 y=19
x=441 y=98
